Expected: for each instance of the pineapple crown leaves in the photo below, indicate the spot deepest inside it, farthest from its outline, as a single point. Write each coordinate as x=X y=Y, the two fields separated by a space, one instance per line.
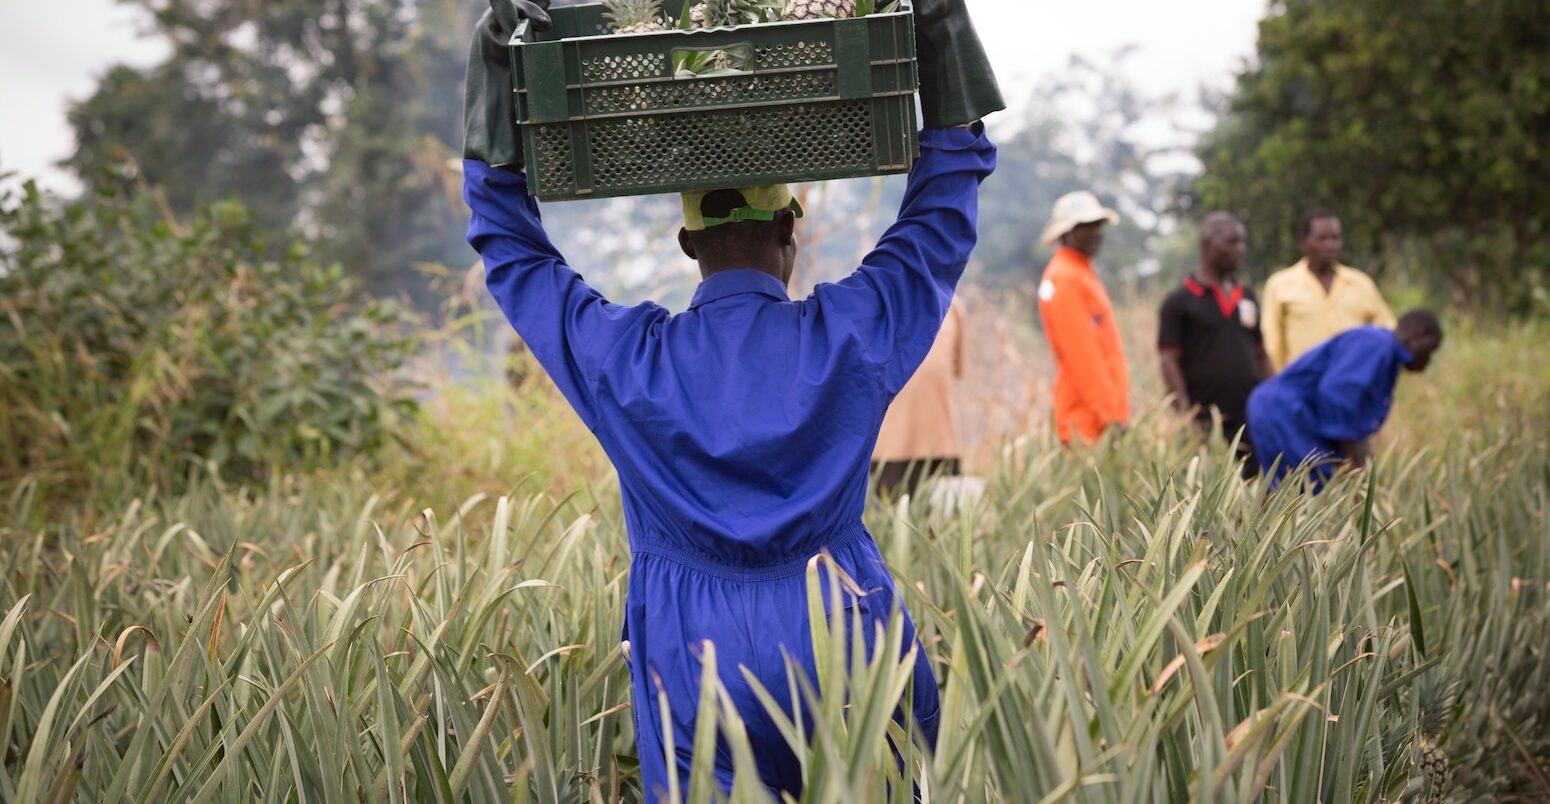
x=627 y=13
x=720 y=13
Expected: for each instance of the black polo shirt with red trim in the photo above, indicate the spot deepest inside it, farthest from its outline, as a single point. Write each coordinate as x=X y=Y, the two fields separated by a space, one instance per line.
x=1216 y=334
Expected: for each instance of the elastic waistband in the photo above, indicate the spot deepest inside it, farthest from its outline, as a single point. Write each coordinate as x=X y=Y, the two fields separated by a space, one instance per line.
x=697 y=561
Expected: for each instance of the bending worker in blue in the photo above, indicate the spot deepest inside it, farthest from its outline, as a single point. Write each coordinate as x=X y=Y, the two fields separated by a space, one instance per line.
x=742 y=427
x=1326 y=406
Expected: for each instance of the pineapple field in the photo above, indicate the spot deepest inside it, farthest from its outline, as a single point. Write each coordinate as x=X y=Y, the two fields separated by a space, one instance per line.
x=1122 y=624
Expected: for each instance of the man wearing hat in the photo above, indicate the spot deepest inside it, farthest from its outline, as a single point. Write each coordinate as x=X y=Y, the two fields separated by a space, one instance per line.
x=741 y=428
x=1092 y=384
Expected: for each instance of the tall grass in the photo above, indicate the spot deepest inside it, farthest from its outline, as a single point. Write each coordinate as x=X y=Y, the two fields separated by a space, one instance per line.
x=1129 y=625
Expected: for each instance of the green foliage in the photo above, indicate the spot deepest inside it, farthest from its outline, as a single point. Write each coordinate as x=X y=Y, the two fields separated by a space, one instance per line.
x=1081 y=132
x=133 y=345
x=336 y=118
x=1424 y=124
x=1126 y=623
x=1135 y=626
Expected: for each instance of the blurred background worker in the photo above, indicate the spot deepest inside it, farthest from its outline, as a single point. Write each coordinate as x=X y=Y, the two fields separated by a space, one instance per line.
x=1318 y=298
x=1208 y=338
x=920 y=431
x=1328 y=404
x=1092 y=385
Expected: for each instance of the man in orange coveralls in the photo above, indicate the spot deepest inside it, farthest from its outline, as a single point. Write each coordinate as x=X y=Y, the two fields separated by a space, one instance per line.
x=1092 y=385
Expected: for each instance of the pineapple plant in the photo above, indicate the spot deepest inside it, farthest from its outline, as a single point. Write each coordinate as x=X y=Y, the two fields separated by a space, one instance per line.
x=718 y=13
x=818 y=9
x=1437 y=700
x=710 y=13
x=1434 y=766
x=634 y=16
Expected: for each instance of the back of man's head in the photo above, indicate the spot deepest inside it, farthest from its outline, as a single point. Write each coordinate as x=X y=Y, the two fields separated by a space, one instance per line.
x=1419 y=322
x=732 y=239
x=1420 y=333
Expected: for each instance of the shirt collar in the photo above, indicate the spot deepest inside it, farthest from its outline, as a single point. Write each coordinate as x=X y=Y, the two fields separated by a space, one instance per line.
x=1227 y=301
x=1074 y=257
x=1341 y=270
x=722 y=284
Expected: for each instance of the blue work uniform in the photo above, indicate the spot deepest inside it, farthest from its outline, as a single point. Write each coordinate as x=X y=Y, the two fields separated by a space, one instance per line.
x=1341 y=390
x=741 y=430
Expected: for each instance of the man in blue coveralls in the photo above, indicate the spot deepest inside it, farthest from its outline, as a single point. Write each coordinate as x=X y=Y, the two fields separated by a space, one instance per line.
x=1326 y=406
x=742 y=427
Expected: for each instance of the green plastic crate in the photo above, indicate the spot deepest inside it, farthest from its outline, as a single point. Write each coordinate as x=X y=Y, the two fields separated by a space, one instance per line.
x=602 y=114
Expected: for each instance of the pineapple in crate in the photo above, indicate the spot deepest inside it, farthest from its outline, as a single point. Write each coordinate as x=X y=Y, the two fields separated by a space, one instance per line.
x=717 y=14
x=818 y=9
x=720 y=13
x=635 y=16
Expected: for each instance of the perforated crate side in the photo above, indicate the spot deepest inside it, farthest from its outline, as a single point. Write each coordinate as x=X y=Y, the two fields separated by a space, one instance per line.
x=824 y=99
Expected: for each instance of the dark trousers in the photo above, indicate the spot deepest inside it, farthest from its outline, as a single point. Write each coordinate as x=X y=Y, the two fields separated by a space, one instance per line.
x=1245 y=446
x=904 y=477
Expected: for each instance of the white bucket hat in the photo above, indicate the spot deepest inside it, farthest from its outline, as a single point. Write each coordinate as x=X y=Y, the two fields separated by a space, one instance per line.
x=1073 y=210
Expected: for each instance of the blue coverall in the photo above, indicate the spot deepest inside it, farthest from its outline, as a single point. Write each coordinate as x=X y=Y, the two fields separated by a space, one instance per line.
x=741 y=430
x=1341 y=390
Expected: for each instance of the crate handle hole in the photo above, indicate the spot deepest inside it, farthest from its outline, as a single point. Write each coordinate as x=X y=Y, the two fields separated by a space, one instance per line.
x=713 y=62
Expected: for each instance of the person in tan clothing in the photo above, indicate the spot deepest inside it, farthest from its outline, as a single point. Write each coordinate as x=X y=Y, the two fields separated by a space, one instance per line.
x=1318 y=298
x=919 y=438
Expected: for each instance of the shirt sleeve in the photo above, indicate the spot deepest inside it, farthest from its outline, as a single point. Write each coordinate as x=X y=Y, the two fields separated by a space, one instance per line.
x=896 y=300
x=1382 y=316
x=1272 y=323
x=1070 y=323
x=1170 y=325
x=1351 y=400
x=569 y=327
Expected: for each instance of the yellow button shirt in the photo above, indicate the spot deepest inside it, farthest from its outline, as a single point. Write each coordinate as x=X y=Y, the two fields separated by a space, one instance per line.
x=1298 y=314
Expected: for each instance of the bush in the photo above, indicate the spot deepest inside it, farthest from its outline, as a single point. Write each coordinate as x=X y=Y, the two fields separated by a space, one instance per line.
x=133 y=344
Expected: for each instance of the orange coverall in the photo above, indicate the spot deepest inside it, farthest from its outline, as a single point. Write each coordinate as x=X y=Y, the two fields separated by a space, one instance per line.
x=1092 y=384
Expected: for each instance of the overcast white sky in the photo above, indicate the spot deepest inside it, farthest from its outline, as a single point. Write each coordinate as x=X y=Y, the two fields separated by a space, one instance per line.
x=53 y=51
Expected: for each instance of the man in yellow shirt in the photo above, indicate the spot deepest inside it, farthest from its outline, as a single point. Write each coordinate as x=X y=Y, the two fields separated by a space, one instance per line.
x=1318 y=298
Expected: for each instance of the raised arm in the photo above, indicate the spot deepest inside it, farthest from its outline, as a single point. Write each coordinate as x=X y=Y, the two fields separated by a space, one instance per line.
x=567 y=325
x=897 y=298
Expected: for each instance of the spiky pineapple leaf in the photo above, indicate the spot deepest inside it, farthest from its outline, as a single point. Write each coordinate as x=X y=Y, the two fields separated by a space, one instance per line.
x=1417 y=627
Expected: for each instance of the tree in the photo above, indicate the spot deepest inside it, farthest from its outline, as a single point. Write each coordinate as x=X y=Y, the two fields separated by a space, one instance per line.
x=1089 y=129
x=1085 y=131
x=1424 y=123
x=335 y=117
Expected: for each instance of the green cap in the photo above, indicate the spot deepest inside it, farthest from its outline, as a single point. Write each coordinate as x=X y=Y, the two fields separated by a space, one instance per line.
x=761 y=204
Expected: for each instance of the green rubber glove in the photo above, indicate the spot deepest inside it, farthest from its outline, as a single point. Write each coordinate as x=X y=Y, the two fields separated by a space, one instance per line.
x=489 y=107
x=957 y=85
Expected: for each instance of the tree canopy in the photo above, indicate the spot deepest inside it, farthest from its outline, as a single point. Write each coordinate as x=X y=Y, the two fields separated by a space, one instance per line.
x=336 y=118
x=1424 y=123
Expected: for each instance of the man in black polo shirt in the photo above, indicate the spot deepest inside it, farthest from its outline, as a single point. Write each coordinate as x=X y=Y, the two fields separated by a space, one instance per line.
x=1209 y=339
